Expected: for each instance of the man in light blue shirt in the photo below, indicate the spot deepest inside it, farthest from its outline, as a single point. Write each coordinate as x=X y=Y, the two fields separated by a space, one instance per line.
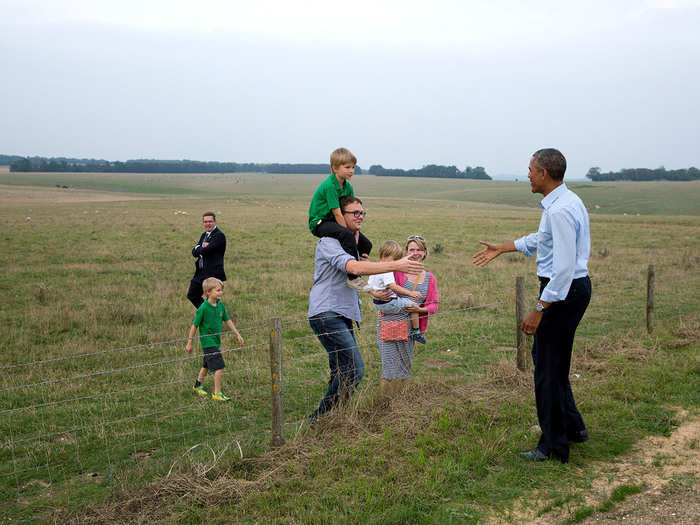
x=333 y=306
x=563 y=245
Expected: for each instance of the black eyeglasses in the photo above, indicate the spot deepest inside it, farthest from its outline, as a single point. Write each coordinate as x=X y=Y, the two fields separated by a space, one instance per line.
x=357 y=213
x=415 y=238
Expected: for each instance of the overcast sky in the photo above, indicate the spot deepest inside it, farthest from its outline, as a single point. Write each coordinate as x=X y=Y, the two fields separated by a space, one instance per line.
x=611 y=83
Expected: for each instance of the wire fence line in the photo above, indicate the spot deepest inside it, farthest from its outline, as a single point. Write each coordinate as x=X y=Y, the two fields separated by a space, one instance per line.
x=126 y=421
x=264 y=326
x=118 y=349
x=258 y=327
x=188 y=358
x=176 y=360
x=237 y=371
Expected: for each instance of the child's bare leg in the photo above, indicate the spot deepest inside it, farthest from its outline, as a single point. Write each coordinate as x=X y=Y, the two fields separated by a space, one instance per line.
x=217 y=380
x=202 y=374
x=414 y=320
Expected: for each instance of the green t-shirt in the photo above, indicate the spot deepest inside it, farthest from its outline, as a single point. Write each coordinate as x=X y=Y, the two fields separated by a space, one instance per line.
x=326 y=197
x=209 y=319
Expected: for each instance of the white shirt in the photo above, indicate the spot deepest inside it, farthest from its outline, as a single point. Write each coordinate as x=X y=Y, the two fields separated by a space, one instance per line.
x=562 y=242
x=381 y=281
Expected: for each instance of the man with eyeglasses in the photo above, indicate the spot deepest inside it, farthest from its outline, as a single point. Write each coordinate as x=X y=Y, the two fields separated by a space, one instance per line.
x=209 y=254
x=333 y=306
x=563 y=245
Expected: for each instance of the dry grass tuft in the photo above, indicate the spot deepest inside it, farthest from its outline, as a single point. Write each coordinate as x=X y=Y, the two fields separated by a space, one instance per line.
x=367 y=413
x=688 y=331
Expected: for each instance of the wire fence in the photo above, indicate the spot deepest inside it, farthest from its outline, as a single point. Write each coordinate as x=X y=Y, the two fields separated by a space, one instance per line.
x=67 y=428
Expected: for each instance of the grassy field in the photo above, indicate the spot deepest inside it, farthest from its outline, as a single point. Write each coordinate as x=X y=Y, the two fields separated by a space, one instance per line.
x=96 y=406
x=645 y=198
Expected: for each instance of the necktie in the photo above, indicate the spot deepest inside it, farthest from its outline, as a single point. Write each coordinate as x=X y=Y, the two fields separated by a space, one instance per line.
x=200 y=262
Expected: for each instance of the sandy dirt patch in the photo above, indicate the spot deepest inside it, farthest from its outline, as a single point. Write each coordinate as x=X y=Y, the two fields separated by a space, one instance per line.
x=666 y=468
x=39 y=194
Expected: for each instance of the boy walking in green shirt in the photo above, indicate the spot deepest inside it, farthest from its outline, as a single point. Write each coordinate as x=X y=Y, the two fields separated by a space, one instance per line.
x=326 y=219
x=209 y=318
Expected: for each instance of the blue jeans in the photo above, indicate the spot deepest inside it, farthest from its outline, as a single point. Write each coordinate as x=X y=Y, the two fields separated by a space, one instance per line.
x=344 y=360
x=395 y=306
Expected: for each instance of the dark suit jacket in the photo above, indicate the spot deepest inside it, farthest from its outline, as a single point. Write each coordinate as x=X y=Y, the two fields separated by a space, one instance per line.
x=212 y=256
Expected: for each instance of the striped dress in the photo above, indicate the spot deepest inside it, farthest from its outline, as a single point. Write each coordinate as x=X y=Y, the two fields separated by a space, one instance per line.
x=397 y=355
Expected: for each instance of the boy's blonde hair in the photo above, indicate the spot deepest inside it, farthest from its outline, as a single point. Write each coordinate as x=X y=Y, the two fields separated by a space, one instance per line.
x=209 y=284
x=342 y=156
x=390 y=249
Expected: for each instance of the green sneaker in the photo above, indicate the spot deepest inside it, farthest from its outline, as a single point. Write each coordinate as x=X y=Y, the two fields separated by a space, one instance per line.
x=220 y=397
x=200 y=391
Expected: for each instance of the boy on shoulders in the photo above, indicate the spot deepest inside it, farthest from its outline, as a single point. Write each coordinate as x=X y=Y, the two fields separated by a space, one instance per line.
x=326 y=219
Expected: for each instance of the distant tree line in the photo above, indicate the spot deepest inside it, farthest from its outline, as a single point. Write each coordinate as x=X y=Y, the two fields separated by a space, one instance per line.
x=64 y=164
x=432 y=170
x=5 y=160
x=158 y=166
x=642 y=174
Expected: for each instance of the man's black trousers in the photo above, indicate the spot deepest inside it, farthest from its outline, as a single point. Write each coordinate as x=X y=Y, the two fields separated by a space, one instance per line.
x=551 y=354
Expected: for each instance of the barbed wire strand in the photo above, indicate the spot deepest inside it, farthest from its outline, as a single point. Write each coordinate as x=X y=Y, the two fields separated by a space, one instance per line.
x=93 y=396
x=133 y=417
x=171 y=361
x=139 y=444
x=261 y=326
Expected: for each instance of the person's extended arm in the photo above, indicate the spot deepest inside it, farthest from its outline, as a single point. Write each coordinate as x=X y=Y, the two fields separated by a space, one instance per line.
x=338 y=215
x=405 y=265
x=492 y=251
x=404 y=291
x=231 y=326
x=188 y=346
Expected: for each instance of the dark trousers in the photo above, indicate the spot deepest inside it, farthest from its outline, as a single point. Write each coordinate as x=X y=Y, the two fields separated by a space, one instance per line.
x=551 y=354
x=344 y=359
x=194 y=294
x=345 y=237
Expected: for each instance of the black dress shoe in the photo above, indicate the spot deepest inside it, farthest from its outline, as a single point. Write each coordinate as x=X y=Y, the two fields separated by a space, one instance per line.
x=535 y=455
x=313 y=419
x=579 y=437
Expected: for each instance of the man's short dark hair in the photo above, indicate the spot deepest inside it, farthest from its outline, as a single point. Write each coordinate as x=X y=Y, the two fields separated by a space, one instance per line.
x=552 y=160
x=209 y=214
x=347 y=200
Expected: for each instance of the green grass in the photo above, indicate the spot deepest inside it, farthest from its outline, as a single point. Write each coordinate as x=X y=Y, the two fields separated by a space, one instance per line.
x=619 y=494
x=645 y=198
x=100 y=277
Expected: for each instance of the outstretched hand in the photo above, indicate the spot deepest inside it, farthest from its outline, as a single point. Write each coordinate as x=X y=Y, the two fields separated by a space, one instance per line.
x=486 y=255
x=407 y=265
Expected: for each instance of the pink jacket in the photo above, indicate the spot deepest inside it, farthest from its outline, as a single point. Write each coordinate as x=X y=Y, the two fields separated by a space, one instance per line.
x=431 y=300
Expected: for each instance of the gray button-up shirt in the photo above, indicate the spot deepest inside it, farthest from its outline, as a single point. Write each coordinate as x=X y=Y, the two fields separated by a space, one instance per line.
x=330 y=293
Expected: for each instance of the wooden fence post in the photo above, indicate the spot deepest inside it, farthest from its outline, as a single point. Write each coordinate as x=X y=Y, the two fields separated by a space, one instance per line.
x=519 y=317
x=276 y=373
x=650 y=298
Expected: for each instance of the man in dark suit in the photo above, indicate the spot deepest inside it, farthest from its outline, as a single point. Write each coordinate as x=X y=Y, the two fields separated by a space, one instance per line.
x=209 y=252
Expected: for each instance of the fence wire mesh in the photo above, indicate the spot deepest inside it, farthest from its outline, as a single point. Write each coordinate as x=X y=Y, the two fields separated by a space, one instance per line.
x=129 y=413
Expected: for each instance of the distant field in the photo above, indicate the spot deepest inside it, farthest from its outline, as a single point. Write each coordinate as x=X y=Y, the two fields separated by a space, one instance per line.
x=95 y=395
x=646 y=198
